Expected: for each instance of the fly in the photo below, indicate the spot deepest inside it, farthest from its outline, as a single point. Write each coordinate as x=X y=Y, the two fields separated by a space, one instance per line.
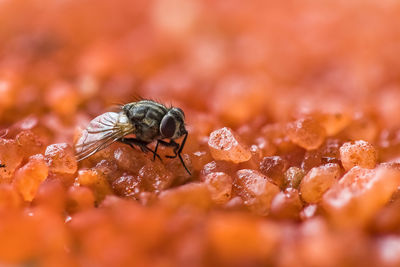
x=148 y=120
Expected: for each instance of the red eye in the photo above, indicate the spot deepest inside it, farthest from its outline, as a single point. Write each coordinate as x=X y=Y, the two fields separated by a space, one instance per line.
x=168 y=127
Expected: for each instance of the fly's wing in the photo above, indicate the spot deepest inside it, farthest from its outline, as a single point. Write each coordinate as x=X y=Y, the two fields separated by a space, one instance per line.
x=101 y=132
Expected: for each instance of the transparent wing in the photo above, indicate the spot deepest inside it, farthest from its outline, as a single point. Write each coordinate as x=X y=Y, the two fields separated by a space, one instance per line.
x=101 y=132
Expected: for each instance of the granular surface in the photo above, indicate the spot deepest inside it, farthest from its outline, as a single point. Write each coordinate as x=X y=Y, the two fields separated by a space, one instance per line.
x=292 y=109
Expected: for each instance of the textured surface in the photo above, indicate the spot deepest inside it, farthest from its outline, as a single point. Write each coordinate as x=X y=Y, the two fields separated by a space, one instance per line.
x=292 y=109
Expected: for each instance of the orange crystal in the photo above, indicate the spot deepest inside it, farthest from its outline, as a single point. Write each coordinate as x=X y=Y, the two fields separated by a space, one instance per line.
x=79 y=199
x=28 y=178
x=317 y=181
x=306 y=133
x=359 y=153
x=225 y=145
x=274 y=168
x=95 y=181
x=220 y=186
x=360 y=194
x=11 y=157
x=255 y=189
x=61 y=159
x=287 y=205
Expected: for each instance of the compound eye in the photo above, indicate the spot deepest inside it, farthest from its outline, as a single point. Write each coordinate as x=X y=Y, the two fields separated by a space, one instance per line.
x=168 y=126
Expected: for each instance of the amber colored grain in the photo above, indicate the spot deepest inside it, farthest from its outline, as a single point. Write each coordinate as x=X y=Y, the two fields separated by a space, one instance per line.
x=255 y=189
x=61 y=159
x=194 y=195
x=359 y=153
x=220 y=186
x=28 y=178
x=317 y=181
x=11 y=157
x=333 y=122
x=287 y=205
x=293 y=177
x=95 y=181
x=359 y=195
x=225 y=145
x=79 y=199
x=306 y=133
x=274 y=168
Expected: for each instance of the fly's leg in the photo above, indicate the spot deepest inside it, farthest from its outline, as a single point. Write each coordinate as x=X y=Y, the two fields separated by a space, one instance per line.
x=133 y=141
x=141 y=144
x=177 y=149
x=155 y=150
x=171 y=143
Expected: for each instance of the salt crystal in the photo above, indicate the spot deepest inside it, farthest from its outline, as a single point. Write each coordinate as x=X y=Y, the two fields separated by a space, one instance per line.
x=200 y=158
x=79 y=199
x=359 y=195
x=293 y=177
x=317 y=181
x=192 y=196
x=175 y=166
x=308 y=211
x=217 y=166
x=307 y=133
x=129 y=159
x=61 y=158
x=11 y=157
x=127 y=186
x=28 y=178
x=334 y=122
x=225 y=145
x=255 y=189
x=27 y=138
x=274 y=168
x=265 y=146
x=359 y=153
x=95 y=181
x=155 y=177
x=220 y=186
x=51 y=195
x=287 y=205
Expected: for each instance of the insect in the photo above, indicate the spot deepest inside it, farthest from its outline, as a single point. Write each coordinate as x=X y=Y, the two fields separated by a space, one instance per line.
x=148 y=120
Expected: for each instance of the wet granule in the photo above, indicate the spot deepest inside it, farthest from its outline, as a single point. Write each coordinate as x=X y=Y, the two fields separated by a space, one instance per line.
x=292 y=114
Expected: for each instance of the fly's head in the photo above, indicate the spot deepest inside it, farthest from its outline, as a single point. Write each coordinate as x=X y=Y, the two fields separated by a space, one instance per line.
x=172 y=125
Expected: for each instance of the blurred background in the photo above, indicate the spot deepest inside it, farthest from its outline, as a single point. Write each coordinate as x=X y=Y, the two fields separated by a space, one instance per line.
x=280 y=58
